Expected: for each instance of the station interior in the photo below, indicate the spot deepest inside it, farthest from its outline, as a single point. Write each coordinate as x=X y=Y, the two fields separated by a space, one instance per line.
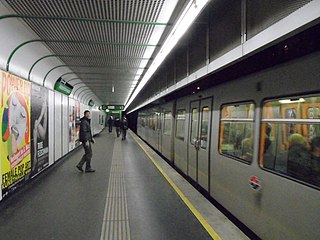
x=203 y=119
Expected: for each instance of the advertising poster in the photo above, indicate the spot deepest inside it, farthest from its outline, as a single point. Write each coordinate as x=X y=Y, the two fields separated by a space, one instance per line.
x=39 y=129
x=77 y=123
x=74 y=123
x=15 y=130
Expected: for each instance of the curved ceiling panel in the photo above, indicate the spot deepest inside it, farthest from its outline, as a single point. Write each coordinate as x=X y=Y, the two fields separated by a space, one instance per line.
x=25 y=57
x=40 y=69
x=106 y=44
x=24 y=61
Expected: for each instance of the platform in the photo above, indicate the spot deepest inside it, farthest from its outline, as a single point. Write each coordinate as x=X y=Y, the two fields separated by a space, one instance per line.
x=134 y=194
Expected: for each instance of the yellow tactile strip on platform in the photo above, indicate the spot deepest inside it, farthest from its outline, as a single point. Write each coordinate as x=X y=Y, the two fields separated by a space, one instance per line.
x=116 y=221
x=215 y=223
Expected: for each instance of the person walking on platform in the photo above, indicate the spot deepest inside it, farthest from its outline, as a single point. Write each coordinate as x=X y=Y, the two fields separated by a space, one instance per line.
x=124 y=127
x=86 y=139
x=110 y=123
x=117 y=125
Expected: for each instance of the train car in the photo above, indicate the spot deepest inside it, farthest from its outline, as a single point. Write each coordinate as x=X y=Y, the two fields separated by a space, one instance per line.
x=155 y=126
x=253 y=144
x=165 y=134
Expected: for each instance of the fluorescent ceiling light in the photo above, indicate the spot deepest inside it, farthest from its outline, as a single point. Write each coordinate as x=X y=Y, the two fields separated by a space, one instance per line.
x=167 y=10
x=156 y=34
x=148 y=53
x=190 y=13
x=286 y=101
x=143 y=63
x=140 y=71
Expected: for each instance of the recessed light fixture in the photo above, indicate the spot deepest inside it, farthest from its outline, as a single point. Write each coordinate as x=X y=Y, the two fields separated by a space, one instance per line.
x=198 y=88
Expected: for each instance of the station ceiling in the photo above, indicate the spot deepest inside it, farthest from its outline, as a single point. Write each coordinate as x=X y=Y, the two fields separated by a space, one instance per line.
x=108 y=44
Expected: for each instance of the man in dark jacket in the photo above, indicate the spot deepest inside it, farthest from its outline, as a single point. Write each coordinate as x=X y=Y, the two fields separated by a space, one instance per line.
x=117 y=125
x=124 y=127
x=110 y=123
x=86 y=139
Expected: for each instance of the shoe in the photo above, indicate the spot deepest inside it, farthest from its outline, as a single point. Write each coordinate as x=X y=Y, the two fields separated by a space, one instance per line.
x=90 y=170
x=80 y=168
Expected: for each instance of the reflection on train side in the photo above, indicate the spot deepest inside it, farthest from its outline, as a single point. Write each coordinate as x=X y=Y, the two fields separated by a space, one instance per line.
x=180 y=122
x=290 y=142
x=236 y=131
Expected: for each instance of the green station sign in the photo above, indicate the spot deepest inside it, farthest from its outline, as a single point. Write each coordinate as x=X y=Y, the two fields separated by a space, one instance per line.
x=63 y=87
x=112 y=107
x=91 y=103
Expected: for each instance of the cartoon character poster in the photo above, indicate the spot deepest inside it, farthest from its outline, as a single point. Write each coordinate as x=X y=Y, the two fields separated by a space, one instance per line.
x=39 y=129
x=15 y=130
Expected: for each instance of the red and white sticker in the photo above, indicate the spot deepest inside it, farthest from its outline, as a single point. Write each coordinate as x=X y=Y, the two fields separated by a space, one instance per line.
x=255 y=183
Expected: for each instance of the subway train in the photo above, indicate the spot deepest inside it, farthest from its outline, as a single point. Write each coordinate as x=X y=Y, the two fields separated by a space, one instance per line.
x=252 y=144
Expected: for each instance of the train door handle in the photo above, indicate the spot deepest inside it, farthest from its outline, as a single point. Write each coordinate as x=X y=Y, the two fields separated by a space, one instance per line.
x=197 y=144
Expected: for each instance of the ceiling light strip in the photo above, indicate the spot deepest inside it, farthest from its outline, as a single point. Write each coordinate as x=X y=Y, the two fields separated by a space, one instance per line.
x=185 y=20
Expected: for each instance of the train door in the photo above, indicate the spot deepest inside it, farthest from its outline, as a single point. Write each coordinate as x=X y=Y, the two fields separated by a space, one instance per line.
x=198 y=149
x=158 y=131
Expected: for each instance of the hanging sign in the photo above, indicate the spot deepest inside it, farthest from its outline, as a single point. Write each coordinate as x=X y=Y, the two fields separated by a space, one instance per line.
x=114 y=107
x=63 y=87
x=91 y=103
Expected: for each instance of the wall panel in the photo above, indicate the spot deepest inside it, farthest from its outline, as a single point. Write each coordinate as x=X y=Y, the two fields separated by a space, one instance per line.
x=57 y=126
x=51 y=127
x=64 y=129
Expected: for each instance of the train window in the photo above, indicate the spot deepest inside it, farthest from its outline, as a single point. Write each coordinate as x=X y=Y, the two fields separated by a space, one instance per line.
x=180 y=122
x=204 y=127
x=167 y=123
x=290 y=138
x=194 y=126
x=236 y=131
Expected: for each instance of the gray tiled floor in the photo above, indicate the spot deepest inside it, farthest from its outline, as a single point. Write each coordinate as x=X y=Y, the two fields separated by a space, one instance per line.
x=66 y=204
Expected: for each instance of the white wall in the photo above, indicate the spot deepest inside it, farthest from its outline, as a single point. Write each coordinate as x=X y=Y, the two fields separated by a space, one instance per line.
x=96 y=125
x=51 y=127
x=65 y=127
x=57 y=126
